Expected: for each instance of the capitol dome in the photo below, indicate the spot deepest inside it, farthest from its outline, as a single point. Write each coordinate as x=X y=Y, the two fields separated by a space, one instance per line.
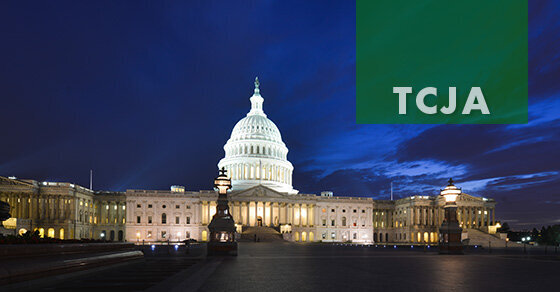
x=255 y=153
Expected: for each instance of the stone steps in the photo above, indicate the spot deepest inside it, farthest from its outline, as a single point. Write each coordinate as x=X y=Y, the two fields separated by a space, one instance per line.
x=262 y=233
x=477 y=237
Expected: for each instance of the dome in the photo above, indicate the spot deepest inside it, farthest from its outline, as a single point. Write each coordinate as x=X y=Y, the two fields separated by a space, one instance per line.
x=257 y=127
x=255 y=153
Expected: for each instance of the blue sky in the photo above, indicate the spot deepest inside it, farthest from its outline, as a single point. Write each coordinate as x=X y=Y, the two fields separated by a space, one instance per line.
x=146 y=95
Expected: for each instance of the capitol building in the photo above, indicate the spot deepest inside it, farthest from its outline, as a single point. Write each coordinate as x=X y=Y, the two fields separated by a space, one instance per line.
x=262 y=199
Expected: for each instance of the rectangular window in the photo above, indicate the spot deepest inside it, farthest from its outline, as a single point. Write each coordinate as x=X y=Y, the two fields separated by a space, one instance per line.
x=332 y=222
x=163 y=234
x=363 y=211
x=177 y=206
x=324 y=222
x=138 y=206
x=324 y=236
x=355 y=236
x=177 y=220
x=149 y=233
x=149 y=219
x=188 y=220
x=150 y=205
x=137 y=219
x=333 y=235
x=188 y=206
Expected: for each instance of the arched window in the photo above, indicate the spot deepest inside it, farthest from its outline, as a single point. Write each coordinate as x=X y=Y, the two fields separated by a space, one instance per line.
x=375 y=237
x=386 y=237
x=61 y=233
x=380 y=237
x=163 y=218
x=50 y=232
x=112 y=237
x=343 y=221
x=121 y=235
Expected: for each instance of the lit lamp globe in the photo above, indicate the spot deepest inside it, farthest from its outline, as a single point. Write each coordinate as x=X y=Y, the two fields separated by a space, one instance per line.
x=450 y=193
x=450 y=231
x=222 y=227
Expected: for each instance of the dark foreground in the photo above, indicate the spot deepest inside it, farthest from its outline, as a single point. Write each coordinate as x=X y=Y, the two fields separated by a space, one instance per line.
x=315 y=267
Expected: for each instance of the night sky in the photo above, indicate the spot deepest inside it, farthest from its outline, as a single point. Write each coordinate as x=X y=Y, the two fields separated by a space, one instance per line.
x=146 y=95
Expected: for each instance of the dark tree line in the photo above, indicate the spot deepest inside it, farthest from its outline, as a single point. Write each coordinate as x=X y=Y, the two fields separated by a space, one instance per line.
x=546 y=236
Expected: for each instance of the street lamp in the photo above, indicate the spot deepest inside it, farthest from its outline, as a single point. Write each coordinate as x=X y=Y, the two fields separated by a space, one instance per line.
x=222 y=226
x=450 y=231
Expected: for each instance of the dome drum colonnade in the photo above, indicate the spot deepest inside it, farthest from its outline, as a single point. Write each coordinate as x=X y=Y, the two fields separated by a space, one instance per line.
x=255 y=152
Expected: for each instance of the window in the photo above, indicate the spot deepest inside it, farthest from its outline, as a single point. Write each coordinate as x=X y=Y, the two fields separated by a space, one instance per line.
x=332 y=222
x=324 y=222
x=324 y=236
x=177 y=206
x=149 y=234
x=188 y=206
x=177 y=220
x=163 y=219
x=137 y=219
x=343 y=221
x=150 y=205
x=355 y=211
x=163 y=206
x=188 y=220
x=188 y=234
x=149 y=219
x=332 y=210
x=343 y=210
x=333 y=235
x=363 y=211
x=355 y=236
x=163 y=234
x=138 y=206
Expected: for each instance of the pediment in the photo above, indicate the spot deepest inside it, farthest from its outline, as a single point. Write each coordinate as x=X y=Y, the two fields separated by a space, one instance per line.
x=468 y=198
x=13 y=182
x=258 y=191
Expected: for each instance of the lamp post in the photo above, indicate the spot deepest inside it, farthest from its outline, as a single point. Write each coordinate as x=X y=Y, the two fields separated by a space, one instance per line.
x=450 y=231
x=222 y=226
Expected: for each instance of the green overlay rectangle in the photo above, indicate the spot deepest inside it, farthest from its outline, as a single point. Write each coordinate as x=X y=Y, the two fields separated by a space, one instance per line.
x=478 y=47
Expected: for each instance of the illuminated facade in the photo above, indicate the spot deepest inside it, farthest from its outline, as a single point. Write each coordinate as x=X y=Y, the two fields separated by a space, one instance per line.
x=262 y=195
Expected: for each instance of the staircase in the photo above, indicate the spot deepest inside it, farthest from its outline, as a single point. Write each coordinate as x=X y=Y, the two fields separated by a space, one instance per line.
x=266 y=234
x=477 y=237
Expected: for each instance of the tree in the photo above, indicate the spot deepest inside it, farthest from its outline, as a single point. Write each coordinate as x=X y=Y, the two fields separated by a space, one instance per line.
x=505 y=228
